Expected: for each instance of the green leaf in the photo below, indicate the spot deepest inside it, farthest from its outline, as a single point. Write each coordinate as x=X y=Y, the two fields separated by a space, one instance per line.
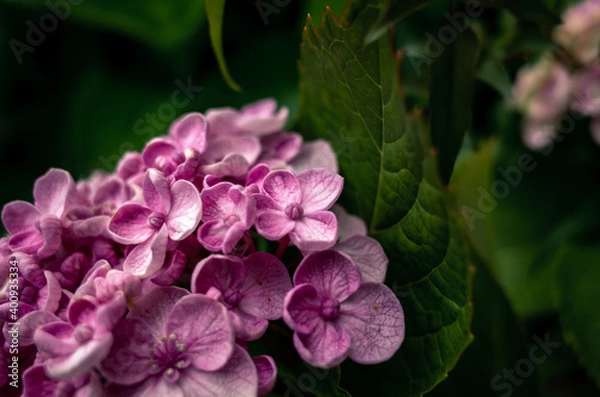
x=531 y=10
x=498 y=344
x=214 y=11
x=517 y=221
x=453 y=76
x=156 y=22
x=577 y=296
x=493 y=73
x=350 y=95
x=396 y=11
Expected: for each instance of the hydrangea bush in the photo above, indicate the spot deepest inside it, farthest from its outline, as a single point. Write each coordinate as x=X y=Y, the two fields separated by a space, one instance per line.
x=153 y=279
x=566 y=79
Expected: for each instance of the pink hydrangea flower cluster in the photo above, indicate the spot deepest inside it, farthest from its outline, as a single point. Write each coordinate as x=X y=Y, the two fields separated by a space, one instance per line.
x=147 y=281
x=546 y=90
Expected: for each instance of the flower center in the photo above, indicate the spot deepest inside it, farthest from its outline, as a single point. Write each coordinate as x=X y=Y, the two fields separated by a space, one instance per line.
x=330 y=309
x=232 y=297
x=83 y=333
x=169 y=357
x=231 y=220
x=294 y=211
x=156 y=220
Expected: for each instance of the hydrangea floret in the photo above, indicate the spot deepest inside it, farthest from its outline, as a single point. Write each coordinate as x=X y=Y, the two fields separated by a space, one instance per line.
x=158 y=278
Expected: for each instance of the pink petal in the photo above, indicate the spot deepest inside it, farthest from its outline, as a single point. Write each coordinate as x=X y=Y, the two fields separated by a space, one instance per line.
x=131 y=164
x=186 y=210
x=265 y=203
x=233 y=164
x=49 y=296
x=283 y=187
x=348 y=225
x=260 y=118
x=220 y=121
x=26 y=242
x=127 y=362
x=51 y=191
x=264 y=287
x=317 y=154
x=51 y=229
x=233 y=236
x=246 y=146
x=30 y=323
x=82 y=311
x=374 y=319
x=82 y=360
x=129 y=225
x=55 y=339
x=320 y=189
x=302 y=308
x=176 y=262
x=156 y=191
x=219 y=271
x=189 y=131
x=148 y=257
x=315 y=231
x=109 y=314
x=19 y=216
x=325 y=347
x=92 y=227
x=244 y=205
x=112 y=191
x=153 y=386
x=157 y=149
x=203 y=325
x=280 y=147
x=273 y=225
x=237 y=378
x=247 y=327
x=154 y=307
x=333 y=274
x=216 y=203
x=212 y=235
x=367 y=254
x=267 y=374
x=257 y=174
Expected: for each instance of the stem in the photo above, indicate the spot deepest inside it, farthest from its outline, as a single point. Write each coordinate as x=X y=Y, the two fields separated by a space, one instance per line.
x=283 y=244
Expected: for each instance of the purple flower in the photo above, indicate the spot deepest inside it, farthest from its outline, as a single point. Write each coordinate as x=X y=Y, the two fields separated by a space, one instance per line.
x=130 y=166
x=587 y=91
x=38 y=384
x=37 y=228
x=104 y=194
x=296 y=205
x=267 y=374
x=230 y=157
x=580 y=31
x=543 y=90
x=317 y=154
x=179 y=153
x=334 y=316
x=257 y=118
x=279 y=148
x=175 y=344
x=170 y=212
x=366 y=253
x=252 y=290
x=228 y=211
x=77 y=346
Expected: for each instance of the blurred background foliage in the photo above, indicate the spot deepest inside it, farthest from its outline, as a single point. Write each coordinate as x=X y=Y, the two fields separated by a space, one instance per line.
x=81 y=98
